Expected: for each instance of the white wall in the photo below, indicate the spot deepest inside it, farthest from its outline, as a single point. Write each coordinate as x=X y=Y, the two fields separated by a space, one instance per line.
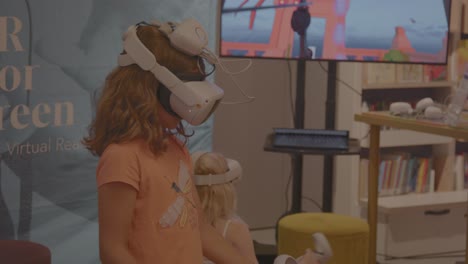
x=240 y=131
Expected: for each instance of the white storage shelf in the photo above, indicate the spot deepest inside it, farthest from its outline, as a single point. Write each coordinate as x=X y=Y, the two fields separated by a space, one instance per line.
x=390 y=204
x=421 y=231
x=400 y=138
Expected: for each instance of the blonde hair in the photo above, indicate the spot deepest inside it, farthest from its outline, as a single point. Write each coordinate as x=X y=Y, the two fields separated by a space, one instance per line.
x=219 y=201
x=127 y=109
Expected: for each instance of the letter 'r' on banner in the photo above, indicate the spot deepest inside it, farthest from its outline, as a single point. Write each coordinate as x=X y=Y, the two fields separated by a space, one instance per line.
x=15 y=25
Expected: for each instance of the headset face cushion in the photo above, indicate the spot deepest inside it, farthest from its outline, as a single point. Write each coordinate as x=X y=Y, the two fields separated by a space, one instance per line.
x=164 y=97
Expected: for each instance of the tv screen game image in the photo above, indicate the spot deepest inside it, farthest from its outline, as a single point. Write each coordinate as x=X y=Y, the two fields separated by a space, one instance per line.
x=407 y=31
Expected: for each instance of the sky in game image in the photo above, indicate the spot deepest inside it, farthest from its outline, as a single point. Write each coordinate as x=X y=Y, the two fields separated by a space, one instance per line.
x=358 y=30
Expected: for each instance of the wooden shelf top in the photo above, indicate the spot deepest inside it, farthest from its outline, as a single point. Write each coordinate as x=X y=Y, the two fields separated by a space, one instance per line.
x=421 y=125
x=402 y=137
x=435 y=84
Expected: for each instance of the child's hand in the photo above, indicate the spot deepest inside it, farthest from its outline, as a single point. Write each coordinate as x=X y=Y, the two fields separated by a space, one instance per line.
x=308 y=258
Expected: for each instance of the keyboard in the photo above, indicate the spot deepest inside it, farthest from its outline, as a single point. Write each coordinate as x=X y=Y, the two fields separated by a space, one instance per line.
x=310 y=138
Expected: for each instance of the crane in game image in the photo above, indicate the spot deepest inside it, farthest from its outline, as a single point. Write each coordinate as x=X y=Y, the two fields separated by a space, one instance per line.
x=356 y=30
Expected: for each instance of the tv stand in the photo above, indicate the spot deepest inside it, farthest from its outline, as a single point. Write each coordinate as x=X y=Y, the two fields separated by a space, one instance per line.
x=300 y=21
x=298 y=153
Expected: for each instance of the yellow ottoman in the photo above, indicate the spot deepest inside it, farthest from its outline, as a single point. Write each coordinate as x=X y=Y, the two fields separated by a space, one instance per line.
x=348 y=236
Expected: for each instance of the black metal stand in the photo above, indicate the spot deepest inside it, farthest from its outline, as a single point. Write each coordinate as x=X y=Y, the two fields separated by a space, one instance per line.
x=327 y=195
x=297 y=153
x=328 y=161
x=300 y=21
x=297 y=158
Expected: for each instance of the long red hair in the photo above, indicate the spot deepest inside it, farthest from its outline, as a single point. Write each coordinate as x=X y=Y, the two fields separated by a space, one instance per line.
x=126 y=109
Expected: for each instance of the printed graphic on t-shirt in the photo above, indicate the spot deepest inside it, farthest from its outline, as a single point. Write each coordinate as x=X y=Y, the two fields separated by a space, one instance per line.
x=183 y=208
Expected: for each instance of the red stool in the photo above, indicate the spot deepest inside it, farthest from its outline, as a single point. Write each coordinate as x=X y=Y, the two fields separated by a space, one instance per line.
x=24 y=252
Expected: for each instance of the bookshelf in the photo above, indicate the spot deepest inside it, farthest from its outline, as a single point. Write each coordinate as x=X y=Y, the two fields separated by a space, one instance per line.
x=411 y=213
x=350 y=103
x=410 y=223
x=416 y=217
x=427 y=226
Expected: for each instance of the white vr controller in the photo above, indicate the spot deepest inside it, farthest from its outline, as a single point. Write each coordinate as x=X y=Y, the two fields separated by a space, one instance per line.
x=323 y=252
x=425 y=106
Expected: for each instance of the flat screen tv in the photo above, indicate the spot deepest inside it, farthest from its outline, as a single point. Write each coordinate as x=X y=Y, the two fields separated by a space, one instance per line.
x=405 y=31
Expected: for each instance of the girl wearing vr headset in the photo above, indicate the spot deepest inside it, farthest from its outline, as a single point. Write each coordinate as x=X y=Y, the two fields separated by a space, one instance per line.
x=149 y=210
x=214 y=177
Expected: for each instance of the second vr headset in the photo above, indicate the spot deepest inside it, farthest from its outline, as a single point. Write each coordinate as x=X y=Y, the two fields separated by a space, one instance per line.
x=234 y=172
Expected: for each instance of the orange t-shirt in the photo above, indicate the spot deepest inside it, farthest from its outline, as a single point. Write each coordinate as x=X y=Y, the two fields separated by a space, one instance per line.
x=165 y=226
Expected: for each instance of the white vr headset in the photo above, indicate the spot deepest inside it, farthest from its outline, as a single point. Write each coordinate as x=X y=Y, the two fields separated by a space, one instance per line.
x=193 y=101
x=233 y=174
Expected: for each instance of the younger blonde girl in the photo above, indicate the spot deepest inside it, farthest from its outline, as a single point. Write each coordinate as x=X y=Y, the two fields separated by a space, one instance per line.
x=214 y=177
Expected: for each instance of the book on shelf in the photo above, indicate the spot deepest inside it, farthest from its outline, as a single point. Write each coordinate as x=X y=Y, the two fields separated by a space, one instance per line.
x=434 y=73
x=444 y=174
x=411 y=167
x=461 y=171
x=387 y=176
x=401 y=177
x=383 y=171
x=409 y=73
x=380 y=73
x=420 y=177
x=383 y=105
x=413 y=176
x=461 y=57
x=395 y=187
x=400 y=173
x=425 y=168
x=432 y=181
